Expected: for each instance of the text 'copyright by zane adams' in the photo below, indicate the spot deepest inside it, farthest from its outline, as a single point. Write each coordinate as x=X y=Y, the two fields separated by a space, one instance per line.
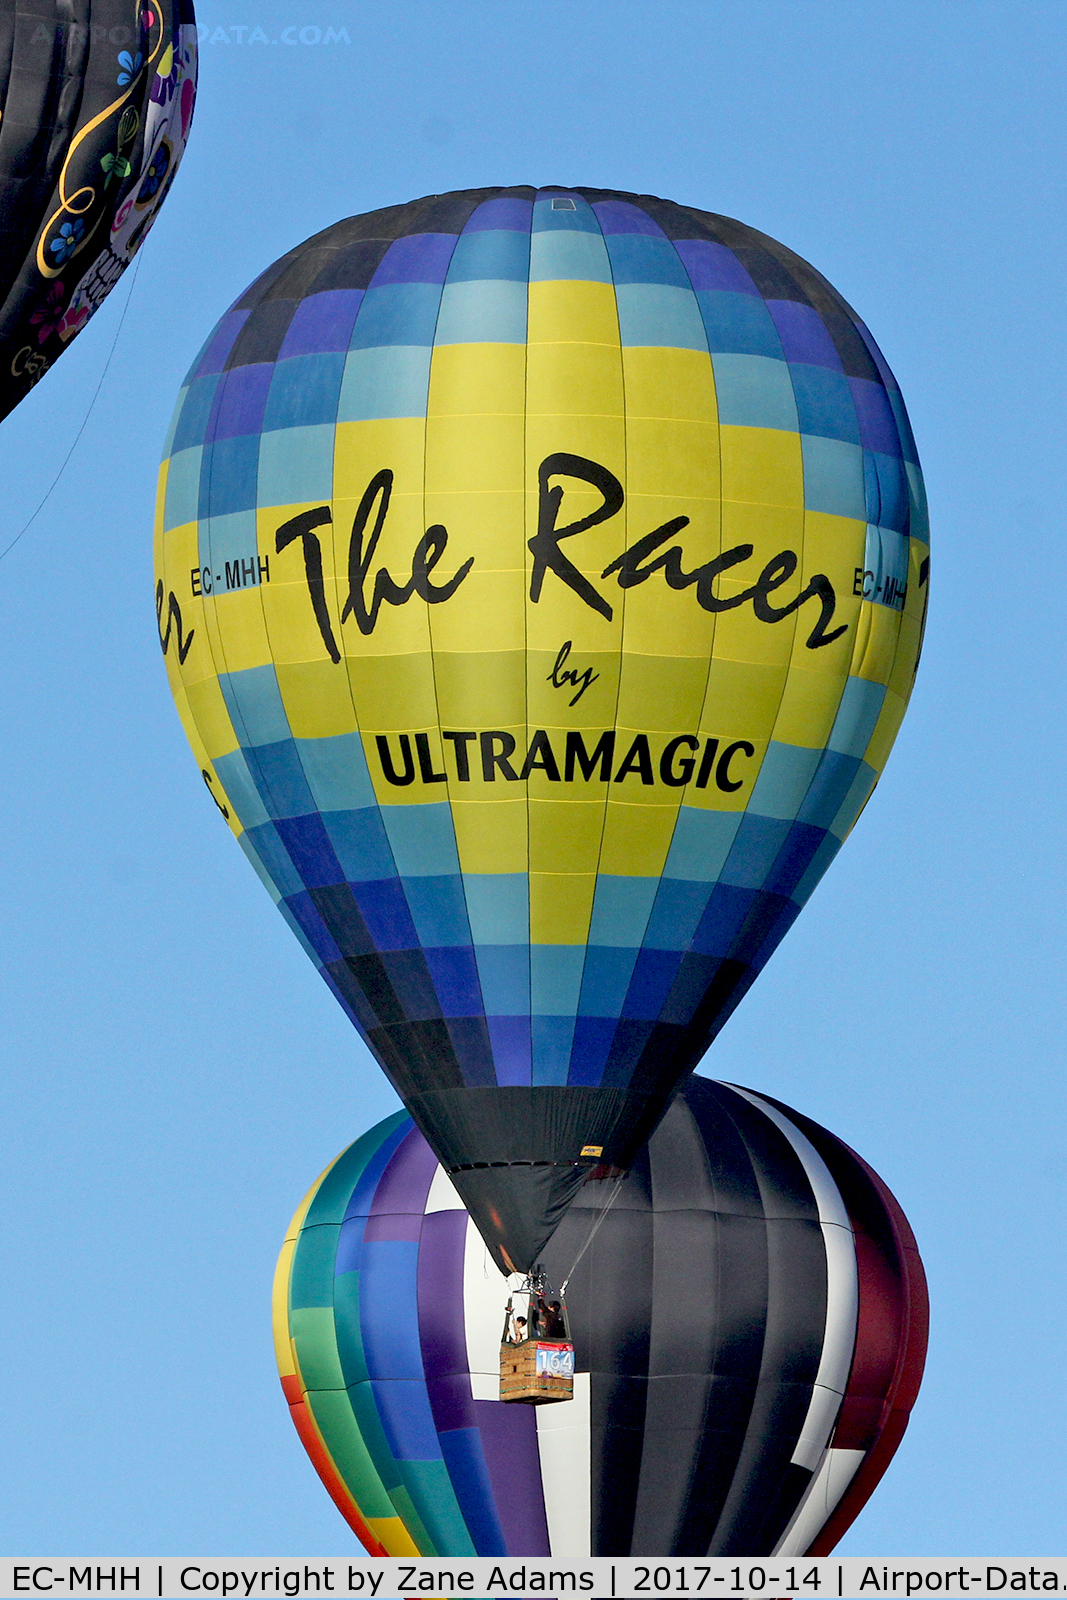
x=599 y=1578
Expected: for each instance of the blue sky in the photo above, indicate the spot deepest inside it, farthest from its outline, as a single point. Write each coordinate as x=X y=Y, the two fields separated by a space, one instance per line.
x=177 y=1075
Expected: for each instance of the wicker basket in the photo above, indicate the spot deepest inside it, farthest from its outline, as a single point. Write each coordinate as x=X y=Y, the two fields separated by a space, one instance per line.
x=537 y=1371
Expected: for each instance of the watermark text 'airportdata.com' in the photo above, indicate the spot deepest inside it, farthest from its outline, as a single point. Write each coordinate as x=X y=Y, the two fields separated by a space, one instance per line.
x=309 y=33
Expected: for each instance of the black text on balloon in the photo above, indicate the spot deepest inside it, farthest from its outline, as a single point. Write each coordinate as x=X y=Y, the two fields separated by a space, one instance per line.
x=494 y=755
x=369 y=590
x=633 y=566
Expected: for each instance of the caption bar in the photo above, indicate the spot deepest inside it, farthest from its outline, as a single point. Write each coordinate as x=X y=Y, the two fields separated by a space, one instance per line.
x=602 y=1577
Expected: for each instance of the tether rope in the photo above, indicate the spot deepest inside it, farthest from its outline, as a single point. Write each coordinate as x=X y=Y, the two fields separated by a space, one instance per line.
x=63 y=467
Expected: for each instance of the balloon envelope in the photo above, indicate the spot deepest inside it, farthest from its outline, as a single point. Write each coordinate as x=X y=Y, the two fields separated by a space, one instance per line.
x=541 y=577
x=749 y=1324
x=96 y=97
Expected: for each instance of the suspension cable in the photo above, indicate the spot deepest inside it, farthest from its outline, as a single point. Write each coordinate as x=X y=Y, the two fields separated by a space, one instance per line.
x=96 y=394
x=591 y=1235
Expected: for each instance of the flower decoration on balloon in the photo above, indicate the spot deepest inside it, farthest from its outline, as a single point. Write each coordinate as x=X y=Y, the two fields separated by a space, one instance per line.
x=130 y=66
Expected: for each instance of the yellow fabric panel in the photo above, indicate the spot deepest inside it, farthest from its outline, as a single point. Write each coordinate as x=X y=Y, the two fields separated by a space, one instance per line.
x=740 y=696
x=835 y=547
x=565 y=827
x=548 y=705
x=661 y=693
x=469 y=380
x=670 y=383
x=886 y=730
x=770 y=530
x=398 y=629
x=573 y=381
x=561 y=904
x=490 y=833
x=762 y=466
x=160 y=516
x=881 y=635
x=490 y=526
x=743 y=767
x=668 y=456
x=212 y=717
x=902 y=676
x=363 y=448
x=317 y=699
x=194 y=684
x=565 y=310
x=474 y=454
x=237 y=631
x=178 y=557
x=479 y=689
x=741 y=636
x=637 y=832
x=486 y=613
x=394 y=692
x=288 y=613
x=393 y=1536
x=561 y=616
x=600 y=437
x=809 y=703
x=560 y=613
x=188 y=712
x=284 y=1353
x=658 y=620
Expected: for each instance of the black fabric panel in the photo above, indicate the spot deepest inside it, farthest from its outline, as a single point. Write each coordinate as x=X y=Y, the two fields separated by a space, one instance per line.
x=369 y=972
x=300 y=277
x=796 y=1316
x=513 y=1153
x=340 y=913
x=863 y=1203
x=343 y=976
x=710 y=1247
x=259 y=288
x=699 y=1310
x=448 y=213
x=513 y=1124
x=517 y=1207
x=420 y=1056
x=783 y=1184
x=793 y=1335
x=7 y=49
x=471 y=1042
x=352 y=267
x=855 y=357
x=42 y=99
x=616 y=1274
x=261 y=337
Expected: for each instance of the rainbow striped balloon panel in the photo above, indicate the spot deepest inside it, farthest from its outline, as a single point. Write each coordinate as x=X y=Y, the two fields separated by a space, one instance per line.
x=541 y=576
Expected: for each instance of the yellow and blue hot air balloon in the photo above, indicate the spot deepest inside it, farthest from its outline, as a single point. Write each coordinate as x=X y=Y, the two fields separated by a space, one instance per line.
x=541 y=578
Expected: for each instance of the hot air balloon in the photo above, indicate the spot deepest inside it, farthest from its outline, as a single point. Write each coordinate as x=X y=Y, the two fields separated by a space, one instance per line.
x=750 y=1326
x=96 y=98
x=541 y=577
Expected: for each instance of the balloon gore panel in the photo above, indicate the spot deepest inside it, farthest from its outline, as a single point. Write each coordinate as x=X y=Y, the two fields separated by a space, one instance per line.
x=96 y=98
x=749 y=1325
x=541 y=577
